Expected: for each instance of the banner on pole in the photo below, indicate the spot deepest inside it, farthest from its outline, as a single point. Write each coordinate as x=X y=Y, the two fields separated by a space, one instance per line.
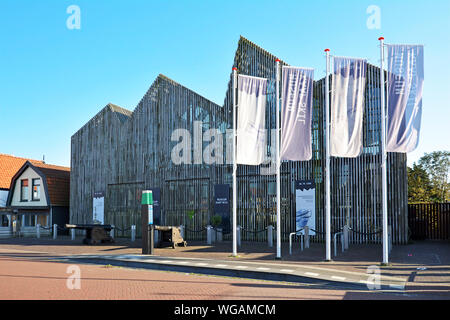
x=405 y=85
x=98 y=205
x=296 y=114
x=305 y=205
x=251 y=134
x=347 y=107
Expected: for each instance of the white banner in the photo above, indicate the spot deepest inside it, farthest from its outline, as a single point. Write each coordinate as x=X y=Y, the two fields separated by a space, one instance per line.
x=305 y=205
x=98 y=205
x=251 y=134
x=296 y=114
x=347 y=107
x=405 y=85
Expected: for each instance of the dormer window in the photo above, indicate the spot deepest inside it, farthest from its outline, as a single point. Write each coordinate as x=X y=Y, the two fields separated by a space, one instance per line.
x=36 y=187
x=24 y=190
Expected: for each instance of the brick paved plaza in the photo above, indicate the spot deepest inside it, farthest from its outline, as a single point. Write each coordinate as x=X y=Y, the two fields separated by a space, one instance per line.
x=33 y=269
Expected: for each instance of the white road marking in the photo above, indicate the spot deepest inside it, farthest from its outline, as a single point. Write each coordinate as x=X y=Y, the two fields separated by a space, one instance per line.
x=365 y=281
x=311 y=274
x=182 y=262
x=201 y=264
x=262 y=269
x=396 y=286
x=241 y=267
x=286 y=270
x=338 y=278
x=221 y=265
x=165 y=261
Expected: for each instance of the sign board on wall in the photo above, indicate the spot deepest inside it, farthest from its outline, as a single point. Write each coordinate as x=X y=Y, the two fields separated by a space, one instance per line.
x=222 y=204
x=98 y=205
x=305 y=205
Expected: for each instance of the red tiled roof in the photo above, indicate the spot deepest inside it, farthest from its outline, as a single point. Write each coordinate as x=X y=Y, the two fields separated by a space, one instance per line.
x=9 y=165
x=58 y=182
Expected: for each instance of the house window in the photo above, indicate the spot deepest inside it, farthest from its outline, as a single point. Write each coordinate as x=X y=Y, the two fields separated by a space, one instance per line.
x=42 y=220
x=24 y=190
x=30 y=220
x=36 y=185
x=4 y=220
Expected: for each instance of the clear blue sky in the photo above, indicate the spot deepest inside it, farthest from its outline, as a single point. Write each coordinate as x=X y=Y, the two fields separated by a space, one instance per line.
x=53 y=80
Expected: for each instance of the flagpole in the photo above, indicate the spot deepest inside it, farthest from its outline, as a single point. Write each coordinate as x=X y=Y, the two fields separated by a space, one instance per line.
x=383 y=157
x=234 y=166
x=327 y=163
x=278 y=162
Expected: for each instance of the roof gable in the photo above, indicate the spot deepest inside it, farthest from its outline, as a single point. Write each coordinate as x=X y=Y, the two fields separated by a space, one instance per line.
x=56 y=182
x=9 y=165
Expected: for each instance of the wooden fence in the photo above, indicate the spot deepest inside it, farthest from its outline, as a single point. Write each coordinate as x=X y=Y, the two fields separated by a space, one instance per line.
x=429 y=221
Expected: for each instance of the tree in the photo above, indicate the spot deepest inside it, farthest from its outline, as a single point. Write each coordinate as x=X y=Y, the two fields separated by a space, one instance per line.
x=419 y=185
x=437 y=166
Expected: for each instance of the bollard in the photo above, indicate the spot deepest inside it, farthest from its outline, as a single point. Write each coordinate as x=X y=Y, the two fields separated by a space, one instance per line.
x=133 y=233
x=38 y=231
x=208 y=235
x=72 y=234
x=270 y=236
x=111 y=233
x=238 y=235
x=55 y=231
x=345 y=237
x=156 y=237
x=219 y=235
x=306 y=228
x=182 y=231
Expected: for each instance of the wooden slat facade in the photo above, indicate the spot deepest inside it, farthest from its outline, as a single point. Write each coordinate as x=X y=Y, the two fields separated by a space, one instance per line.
x=121 y=153
x=429 y=221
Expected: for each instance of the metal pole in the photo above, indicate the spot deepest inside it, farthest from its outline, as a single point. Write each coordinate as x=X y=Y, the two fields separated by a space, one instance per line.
x=234 y=165
x=327 y=163
x=383 y=157
x=278 y=162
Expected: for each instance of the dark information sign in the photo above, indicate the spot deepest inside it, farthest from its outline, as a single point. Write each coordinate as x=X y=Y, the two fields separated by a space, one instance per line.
x=222 y=204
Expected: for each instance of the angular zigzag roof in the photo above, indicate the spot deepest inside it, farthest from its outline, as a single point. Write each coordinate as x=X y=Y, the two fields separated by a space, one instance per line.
x=124 y=115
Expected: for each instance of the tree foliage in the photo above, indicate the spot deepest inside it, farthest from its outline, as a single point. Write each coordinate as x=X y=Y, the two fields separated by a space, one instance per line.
x=428 y=181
